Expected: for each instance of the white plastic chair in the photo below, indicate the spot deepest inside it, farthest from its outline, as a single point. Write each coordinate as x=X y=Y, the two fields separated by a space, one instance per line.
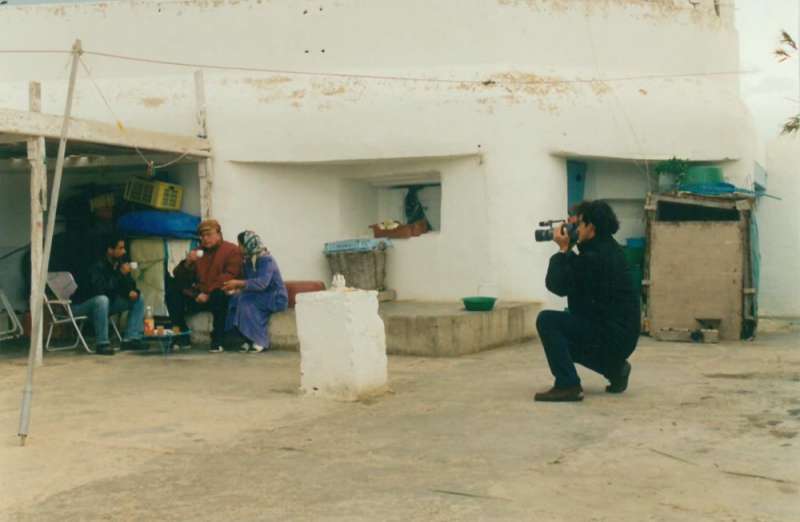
x=63 y=286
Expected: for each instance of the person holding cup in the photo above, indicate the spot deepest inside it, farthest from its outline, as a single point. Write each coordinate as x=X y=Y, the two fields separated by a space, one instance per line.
x=108 y=289
x=198 y=282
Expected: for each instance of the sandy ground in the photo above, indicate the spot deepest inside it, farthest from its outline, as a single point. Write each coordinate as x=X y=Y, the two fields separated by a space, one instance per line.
x=706 y=432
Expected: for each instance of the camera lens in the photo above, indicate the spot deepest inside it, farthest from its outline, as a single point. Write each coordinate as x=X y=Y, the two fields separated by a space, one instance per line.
x=545 y=234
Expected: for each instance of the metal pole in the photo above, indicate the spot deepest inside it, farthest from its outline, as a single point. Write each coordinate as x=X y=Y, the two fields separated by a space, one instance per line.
x=27 y=392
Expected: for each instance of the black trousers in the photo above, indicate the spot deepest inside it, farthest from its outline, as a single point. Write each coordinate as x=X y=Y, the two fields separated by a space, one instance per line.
x=179 y=305
x=567 y=339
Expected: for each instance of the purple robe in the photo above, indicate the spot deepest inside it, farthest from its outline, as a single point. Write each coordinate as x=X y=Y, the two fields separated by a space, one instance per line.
x=264 y=294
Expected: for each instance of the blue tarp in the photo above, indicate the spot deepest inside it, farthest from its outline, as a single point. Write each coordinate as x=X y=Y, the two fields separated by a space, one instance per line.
x=159 y=223
x=713 y=189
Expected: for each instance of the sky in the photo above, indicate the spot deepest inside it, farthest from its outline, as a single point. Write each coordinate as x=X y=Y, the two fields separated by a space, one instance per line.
x=770 y=89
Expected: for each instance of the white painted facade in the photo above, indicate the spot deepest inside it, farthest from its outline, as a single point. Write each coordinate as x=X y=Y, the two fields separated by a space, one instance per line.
x=779 y=226
x=308 y=159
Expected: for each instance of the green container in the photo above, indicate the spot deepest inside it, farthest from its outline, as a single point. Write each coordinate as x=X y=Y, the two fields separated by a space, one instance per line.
x=634 y=255
x=703 y=175
x=479 y=304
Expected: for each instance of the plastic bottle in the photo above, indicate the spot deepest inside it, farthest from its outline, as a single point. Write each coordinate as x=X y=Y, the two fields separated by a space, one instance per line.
x=149 y=321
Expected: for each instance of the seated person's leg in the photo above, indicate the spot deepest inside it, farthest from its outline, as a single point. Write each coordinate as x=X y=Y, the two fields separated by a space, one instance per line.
x=218 y=304
x=134 y=330
x=176 y=303
x=97 y=309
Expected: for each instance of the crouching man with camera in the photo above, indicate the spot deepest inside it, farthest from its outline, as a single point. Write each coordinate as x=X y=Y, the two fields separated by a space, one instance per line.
x=602 y=324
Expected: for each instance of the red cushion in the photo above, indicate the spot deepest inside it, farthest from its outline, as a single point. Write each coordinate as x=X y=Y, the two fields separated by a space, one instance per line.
x=298 y=287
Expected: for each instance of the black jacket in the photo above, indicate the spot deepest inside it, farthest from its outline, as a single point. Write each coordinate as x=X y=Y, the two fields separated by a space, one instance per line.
x=598 y=285
x=103 y=278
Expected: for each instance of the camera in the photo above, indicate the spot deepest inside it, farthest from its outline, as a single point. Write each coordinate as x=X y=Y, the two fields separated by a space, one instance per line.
x=546 y=233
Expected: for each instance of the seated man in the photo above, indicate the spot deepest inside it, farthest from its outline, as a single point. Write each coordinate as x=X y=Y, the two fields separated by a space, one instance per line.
x=109 y=289
x=199 y=278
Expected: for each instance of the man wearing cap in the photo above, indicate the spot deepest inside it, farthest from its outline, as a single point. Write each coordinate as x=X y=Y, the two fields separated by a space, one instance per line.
x=198 y=281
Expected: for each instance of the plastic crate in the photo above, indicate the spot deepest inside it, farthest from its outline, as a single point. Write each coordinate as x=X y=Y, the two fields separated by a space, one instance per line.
x=156 y=194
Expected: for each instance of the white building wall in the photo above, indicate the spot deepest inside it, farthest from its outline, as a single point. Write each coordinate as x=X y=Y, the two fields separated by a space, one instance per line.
x=779 y=227
x=677 y=98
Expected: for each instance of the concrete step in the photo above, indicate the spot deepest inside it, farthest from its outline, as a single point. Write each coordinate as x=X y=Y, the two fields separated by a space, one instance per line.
x=419 y=328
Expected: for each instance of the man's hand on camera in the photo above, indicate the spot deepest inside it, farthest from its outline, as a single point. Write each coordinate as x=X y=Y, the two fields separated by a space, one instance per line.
x=561 y=238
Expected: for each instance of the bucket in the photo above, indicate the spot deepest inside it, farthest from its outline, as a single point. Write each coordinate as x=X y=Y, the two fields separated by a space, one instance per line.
x=702 y=175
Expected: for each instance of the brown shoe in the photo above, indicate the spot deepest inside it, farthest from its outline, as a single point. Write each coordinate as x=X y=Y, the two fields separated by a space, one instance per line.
x=571 y=394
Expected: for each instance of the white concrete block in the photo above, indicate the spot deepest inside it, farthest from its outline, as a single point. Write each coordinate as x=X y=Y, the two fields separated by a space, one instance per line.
x=342 y=344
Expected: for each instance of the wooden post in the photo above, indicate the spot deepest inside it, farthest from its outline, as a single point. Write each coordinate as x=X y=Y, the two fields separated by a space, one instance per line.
x=205 y=167
x=204 y=173
x=27 y=392
x=36 y=156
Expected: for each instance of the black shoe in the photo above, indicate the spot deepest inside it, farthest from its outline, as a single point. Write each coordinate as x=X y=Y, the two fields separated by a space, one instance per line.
x=135 y=344
x=571 y=394
x=104 y=349
x=620 y=383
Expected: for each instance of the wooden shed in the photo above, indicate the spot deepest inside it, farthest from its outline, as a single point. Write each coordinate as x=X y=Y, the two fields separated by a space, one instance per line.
x=699 y=266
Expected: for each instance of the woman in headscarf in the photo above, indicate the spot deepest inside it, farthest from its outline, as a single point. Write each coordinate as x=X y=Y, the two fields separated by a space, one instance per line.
x=260 y=294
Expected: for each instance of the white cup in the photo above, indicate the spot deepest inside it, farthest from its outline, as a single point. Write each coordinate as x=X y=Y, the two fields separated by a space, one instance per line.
x=134 y=265
x=199 y=253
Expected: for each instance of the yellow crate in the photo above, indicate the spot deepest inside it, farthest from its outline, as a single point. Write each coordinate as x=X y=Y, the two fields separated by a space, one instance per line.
x=156 y=194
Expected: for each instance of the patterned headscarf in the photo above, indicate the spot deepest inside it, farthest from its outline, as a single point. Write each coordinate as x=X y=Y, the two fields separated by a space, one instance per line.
x=253 y=247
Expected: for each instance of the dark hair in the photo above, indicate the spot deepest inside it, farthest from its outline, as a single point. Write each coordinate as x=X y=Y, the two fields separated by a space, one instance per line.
x=240 y=237
x=600 y=214
x=112 y=240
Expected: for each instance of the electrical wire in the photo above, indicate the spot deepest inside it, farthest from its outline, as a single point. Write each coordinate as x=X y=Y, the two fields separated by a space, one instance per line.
x=379 y=77
x=121 y=127
x=357 y=76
